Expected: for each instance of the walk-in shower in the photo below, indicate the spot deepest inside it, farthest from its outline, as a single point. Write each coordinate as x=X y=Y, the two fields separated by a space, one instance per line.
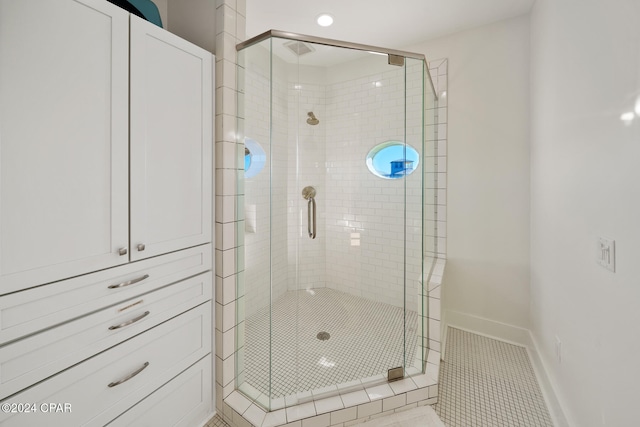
x=331 y=237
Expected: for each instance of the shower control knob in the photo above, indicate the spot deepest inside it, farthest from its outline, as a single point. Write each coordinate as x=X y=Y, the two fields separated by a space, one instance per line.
x=308 y=192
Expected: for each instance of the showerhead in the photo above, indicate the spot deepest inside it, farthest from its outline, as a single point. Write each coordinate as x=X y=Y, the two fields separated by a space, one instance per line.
x=312 y=120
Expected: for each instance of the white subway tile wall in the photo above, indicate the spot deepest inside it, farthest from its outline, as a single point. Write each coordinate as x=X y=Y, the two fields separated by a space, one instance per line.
x=229 y=210
x=265 y=122
x=435 y=204
x=436 y=159
x=363 y=221
x=384 y=214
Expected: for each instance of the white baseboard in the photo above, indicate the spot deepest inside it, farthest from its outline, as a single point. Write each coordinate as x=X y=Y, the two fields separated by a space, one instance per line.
x=513 y=335
x=443 y=333
x=490 y=328
x=548 y=386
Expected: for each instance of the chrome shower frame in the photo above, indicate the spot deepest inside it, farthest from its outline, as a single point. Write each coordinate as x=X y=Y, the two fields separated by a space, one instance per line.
x=336 y=43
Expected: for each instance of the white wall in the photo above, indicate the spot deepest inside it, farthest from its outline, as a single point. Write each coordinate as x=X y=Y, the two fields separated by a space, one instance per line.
x=487 y=271
x=195 y=21
x=162 y=6
x=585 y=183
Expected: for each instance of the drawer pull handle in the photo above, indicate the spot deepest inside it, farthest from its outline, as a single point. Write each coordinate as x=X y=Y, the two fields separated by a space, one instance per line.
x=128 y=377
x=129 y=322
x=129 y=282
x=122 y=251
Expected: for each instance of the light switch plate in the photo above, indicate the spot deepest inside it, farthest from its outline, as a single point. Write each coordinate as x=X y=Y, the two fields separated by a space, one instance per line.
x=606 y=253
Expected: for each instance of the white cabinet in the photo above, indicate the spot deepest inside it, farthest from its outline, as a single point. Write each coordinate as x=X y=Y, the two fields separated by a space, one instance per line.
x=106 y=137
x=63 y=139
x=90 y=176
x=171 y=141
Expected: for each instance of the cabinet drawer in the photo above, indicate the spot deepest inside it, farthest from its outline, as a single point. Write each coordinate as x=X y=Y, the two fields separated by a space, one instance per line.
x=101 y=388
x=29 y=311
x=185 y=401
x=39 y=356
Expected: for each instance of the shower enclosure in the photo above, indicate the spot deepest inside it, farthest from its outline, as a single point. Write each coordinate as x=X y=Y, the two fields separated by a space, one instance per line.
x=333 y=238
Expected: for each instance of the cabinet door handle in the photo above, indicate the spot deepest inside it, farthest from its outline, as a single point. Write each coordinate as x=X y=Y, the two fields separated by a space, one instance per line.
x=122 y=251
x=129 y=322
x=128 y=377
x=141 y=247
x=128 y=282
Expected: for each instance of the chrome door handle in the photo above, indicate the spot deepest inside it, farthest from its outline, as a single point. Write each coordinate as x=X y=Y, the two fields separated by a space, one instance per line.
x=128 y=282
x=128 y=377
x=311 y=206
x=129 y=322
x=309 y=193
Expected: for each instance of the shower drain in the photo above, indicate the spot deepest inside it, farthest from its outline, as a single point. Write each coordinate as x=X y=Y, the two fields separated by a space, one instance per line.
x=323 y=336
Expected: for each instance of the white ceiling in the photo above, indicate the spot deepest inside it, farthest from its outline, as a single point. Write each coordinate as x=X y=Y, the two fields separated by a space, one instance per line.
x=394 y=24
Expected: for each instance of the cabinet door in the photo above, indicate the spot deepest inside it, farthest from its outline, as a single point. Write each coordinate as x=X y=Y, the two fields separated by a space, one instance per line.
x=63 y=139
x=171 y=141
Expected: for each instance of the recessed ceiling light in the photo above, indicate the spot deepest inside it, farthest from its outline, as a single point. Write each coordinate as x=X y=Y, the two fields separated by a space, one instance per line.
x=627 y=117
x=324 y=20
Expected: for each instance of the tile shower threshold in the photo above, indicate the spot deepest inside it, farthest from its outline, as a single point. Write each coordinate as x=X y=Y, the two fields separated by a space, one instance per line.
x=359 y=399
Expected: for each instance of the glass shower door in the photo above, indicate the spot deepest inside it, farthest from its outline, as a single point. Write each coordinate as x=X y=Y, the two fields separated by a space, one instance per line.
x=350 y=249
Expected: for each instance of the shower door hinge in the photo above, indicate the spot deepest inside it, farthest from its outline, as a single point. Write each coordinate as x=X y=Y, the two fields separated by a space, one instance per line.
x=395 y=374
x=395 y=60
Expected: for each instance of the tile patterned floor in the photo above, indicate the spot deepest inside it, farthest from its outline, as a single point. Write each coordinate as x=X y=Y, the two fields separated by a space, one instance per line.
x=216 y=421
x=485 y=382
x=366 y=339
